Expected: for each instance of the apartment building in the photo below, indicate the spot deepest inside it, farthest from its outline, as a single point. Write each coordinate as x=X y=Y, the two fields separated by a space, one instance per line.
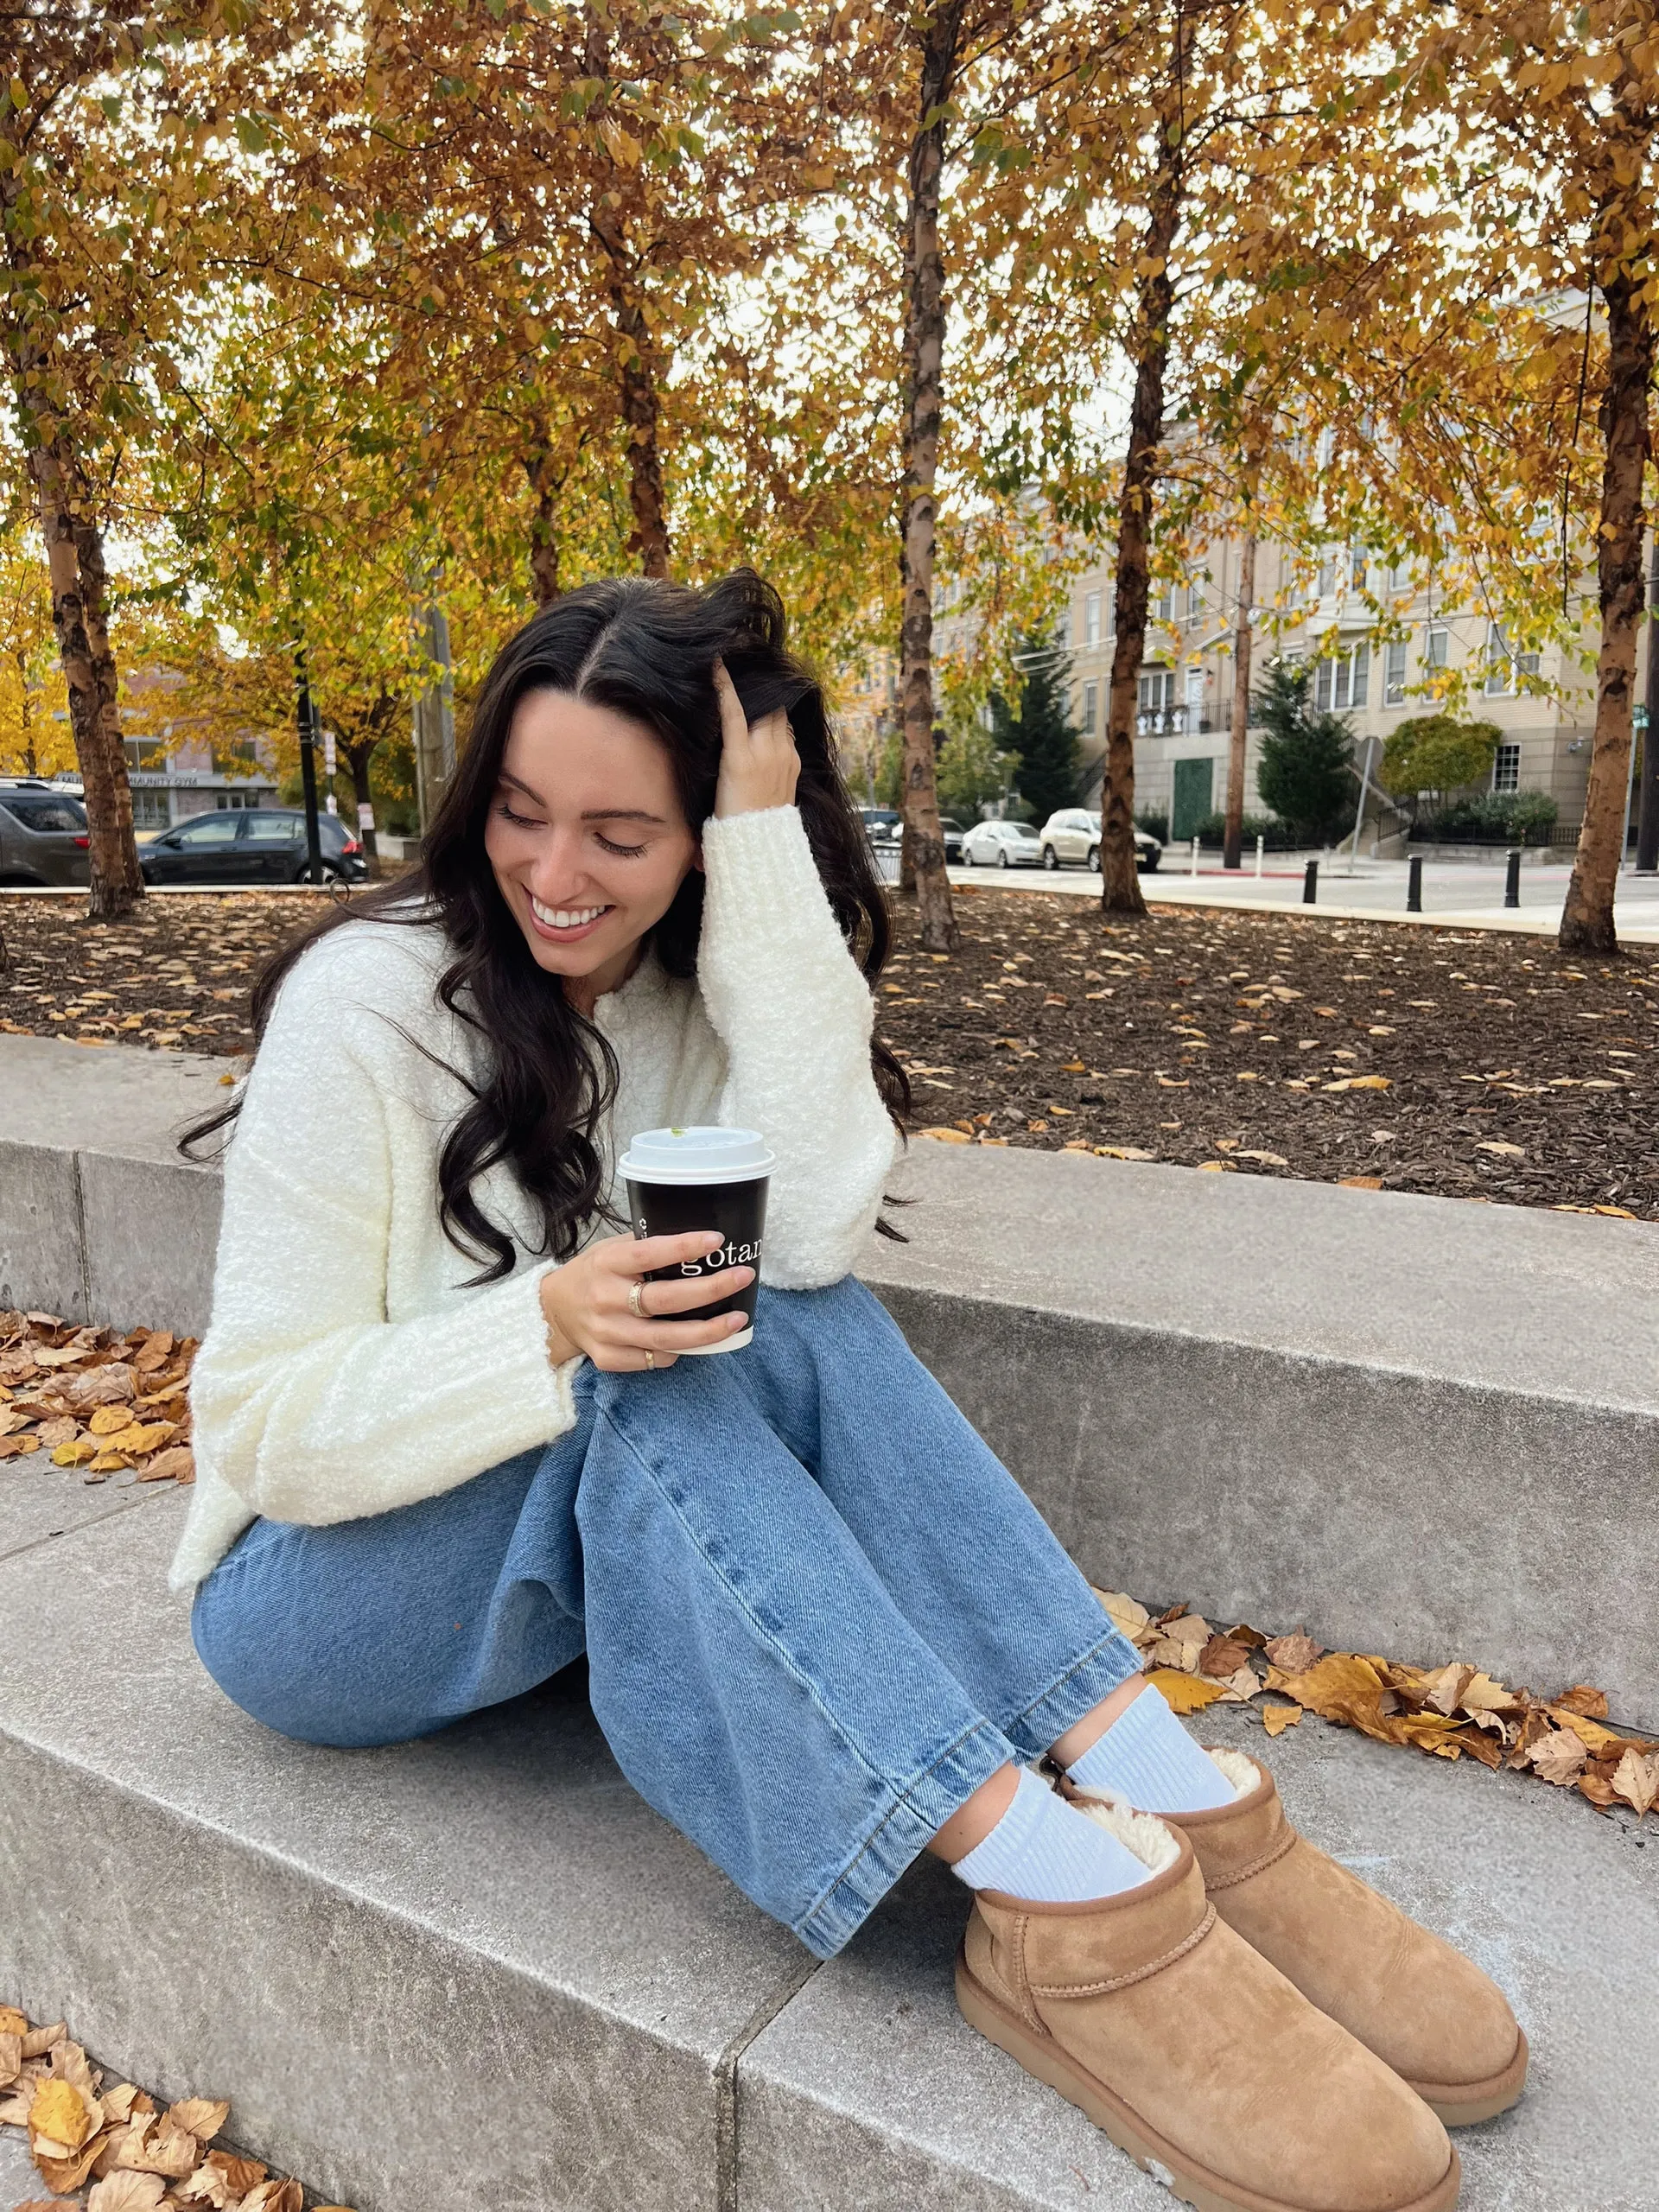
x=1185 y=684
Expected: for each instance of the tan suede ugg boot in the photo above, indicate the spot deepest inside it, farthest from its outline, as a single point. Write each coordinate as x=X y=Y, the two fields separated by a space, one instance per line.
x=1422 y=2008
x=1193 y=2053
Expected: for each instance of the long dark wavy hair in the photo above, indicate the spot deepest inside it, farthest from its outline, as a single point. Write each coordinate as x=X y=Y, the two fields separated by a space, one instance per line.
x=645 y=649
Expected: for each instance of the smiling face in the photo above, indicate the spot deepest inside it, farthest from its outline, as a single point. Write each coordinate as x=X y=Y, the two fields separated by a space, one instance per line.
x=587 y=837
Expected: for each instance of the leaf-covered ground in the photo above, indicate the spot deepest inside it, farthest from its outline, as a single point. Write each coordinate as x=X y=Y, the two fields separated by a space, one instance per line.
x=126 y=2152
x=1416 y=1059
x=1468 y=1065
x=1453 y=1711
x=95 y=1400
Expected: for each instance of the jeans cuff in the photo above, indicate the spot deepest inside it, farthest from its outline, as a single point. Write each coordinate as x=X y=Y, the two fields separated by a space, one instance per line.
x=1088 y=1679
x=911 y=1822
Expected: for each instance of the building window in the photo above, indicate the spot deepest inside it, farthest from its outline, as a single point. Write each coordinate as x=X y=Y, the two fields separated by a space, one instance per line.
x=1091 y=702
x=1506 y=768
x=1156 y=700
x=149 y=810
x=1434 y=645
x=1163 y=606
x=1343 y=683
x=1091 y=618
x=1393 y=673
x=1498 y=663
x=144 y=751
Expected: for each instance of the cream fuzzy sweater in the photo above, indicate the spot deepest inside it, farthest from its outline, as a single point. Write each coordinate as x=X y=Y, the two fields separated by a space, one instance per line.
x=347 y=1370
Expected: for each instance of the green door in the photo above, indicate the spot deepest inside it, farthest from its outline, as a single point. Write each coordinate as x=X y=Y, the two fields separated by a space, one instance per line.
x=1192 y=802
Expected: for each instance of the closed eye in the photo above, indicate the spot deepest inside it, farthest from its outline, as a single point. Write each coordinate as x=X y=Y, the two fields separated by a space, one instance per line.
x=626 y=852
x=519 y=820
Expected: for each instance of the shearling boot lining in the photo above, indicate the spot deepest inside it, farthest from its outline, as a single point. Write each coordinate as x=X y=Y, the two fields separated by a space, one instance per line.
x=1241 y=1771
x=1153 y=1844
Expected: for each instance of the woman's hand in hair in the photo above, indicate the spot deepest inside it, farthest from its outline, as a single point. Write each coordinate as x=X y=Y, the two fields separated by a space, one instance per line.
x=587 y=1308
x=758 y=764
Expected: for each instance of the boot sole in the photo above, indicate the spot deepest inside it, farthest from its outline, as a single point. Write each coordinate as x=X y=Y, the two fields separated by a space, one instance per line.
x=1183 y=2177
x=1476 y=2100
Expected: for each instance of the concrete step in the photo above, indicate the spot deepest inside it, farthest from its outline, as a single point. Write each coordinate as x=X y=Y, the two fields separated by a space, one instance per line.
x=1417 y=1425
x=478 y=1970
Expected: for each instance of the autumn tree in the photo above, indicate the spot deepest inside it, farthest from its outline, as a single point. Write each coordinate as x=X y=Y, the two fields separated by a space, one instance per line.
x=34 y=735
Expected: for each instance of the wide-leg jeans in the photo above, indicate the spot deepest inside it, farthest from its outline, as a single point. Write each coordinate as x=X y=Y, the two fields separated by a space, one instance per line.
x=818 y=1612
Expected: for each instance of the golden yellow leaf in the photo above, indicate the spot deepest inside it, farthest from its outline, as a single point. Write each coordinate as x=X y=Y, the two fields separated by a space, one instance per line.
x=1275 y=1718
x=76 y=1454
x=944 y=1136
x=108 y=1421
x=139 y=1437
x=57 y=2113
x=105 y=1463
x=1184 y=1693
x=12 y=2022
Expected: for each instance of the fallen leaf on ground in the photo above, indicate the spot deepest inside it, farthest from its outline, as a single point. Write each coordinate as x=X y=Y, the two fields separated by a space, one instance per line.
x=1293 y=1654
x=175 y=1465
x=1184 y=1693
x=1126 y=1617
x=1582 y=1699
x=57 y=2114
x=1275 y=1718
x=1558 y=1758
x=202 y=2117
x=1636 y=1779
x=76 y=1454
x=1222 y=1657
x=126 y=2192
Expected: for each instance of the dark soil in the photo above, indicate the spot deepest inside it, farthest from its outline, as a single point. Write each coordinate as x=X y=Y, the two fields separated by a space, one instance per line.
x=1481 y=1065
x=1197 y=1038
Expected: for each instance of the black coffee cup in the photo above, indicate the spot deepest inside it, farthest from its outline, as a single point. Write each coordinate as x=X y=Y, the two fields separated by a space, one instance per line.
x=711 y=1179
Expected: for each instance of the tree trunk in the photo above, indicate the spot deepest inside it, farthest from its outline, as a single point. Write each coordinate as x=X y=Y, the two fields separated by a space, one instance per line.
x=1231 y=855
x=356 y=759
x=75 y=561
x=923 y=355
x=545 y=483
x=637 y=399
x=1587 y=917
x=1120 y=885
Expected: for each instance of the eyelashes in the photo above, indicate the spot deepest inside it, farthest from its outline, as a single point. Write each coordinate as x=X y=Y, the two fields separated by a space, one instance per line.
x=529 y=821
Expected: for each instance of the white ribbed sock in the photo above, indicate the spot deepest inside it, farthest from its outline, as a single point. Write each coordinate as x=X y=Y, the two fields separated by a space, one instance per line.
x=1148 y=1758
x=1047 y=1851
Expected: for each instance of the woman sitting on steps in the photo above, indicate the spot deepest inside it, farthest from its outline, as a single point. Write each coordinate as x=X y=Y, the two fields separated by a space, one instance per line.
x=449 y=1441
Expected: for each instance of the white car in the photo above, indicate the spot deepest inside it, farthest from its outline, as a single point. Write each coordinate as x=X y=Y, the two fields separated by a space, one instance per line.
x=1073 y=834
x=1000 y=844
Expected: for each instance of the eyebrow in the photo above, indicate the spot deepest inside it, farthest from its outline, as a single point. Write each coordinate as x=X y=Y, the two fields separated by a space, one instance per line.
x=593 y=813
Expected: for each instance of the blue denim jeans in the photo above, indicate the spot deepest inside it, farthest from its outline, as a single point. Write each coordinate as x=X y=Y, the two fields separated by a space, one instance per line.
x=818 y=1610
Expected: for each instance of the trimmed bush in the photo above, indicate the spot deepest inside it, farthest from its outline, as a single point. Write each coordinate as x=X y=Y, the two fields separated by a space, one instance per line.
x=1492 y=819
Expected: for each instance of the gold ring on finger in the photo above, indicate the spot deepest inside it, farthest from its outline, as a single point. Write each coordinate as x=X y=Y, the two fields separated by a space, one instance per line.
x=637 y=1301
x=651 y=1359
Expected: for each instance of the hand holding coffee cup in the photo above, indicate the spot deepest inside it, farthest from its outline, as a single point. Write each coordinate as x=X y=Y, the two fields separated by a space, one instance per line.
x=683 y=1180
x=619 y=1301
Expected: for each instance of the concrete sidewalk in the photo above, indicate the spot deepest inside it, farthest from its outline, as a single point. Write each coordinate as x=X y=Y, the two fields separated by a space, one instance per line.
x=1456 y=895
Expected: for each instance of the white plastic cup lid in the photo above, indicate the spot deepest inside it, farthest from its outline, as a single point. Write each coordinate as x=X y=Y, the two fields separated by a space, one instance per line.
x=697 y=1155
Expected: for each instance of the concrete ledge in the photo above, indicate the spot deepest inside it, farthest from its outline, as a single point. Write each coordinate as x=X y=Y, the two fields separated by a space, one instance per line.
x=1414 y=1424
x=476 y=1969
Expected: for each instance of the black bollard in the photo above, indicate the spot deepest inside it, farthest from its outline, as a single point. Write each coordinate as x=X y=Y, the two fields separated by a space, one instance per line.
x=1512 y=881
x=1414 y=885
x=1311 y=884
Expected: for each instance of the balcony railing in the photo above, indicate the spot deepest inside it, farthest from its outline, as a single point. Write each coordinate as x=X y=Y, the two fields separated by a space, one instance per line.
x=1173 y=721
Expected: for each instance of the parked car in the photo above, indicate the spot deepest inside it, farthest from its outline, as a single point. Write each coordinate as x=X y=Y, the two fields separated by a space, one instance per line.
x=43 y=837
x=1073 y=834
x=885 y=825
x=1000 y=844
x=254 y=844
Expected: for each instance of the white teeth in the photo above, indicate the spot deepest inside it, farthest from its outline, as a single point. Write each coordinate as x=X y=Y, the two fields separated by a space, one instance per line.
x=565 y=918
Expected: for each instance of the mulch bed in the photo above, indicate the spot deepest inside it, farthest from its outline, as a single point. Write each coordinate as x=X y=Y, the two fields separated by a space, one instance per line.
x=1465 y=1063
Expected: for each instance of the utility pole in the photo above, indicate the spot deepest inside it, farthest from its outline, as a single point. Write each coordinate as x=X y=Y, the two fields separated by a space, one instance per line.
x=306 y=716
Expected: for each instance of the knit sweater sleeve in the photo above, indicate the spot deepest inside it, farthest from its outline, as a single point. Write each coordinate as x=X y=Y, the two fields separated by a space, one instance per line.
x=308 y=1401
x=794 y=1013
